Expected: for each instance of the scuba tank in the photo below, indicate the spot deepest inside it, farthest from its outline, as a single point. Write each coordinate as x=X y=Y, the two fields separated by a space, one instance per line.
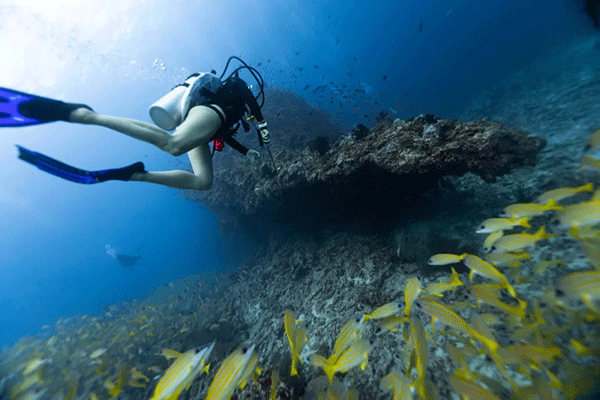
x=169 y=111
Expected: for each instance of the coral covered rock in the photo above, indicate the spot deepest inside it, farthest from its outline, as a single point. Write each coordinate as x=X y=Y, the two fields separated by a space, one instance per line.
x=369 y=182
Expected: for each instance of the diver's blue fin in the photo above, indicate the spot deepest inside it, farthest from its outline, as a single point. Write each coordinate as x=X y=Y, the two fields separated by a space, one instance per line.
x=62 y=170
x=22 y=109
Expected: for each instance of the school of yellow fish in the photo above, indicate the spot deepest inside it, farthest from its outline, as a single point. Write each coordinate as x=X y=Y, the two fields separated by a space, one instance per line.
x=552 y=352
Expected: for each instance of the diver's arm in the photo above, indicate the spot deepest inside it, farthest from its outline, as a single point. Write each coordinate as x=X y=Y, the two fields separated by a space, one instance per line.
x=236 y=145
x=250 y=100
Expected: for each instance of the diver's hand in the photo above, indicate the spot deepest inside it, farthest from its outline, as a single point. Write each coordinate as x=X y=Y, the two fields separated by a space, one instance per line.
x=264 y=132
x=253 y=155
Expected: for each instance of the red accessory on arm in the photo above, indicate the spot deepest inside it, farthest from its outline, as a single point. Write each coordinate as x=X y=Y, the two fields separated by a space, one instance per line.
x=218 y=144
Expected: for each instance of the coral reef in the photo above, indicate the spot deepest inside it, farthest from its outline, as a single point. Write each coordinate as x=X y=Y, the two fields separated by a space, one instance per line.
x=365 y=183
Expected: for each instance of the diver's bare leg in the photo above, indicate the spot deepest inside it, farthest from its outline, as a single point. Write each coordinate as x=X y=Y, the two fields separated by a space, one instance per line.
x=199 y=126
x=201 y=179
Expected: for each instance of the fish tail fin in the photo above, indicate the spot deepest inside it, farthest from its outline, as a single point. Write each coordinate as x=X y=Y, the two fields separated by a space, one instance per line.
x=294 y=370
x=524 y=222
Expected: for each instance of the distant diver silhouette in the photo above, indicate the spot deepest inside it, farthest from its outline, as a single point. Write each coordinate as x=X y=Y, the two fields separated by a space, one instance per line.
x=125 y=260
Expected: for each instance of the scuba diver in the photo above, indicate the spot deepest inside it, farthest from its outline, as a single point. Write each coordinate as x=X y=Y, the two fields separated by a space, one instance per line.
x=126 y=260
x=203 y=109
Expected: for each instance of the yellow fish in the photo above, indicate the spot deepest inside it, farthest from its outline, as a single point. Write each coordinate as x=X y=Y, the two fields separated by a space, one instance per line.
x=500 y=224
x=391 y=323
x=421 y=353
x=182 y=372
x=169 y=353
x=520 y=210
x=542 y=266
x=578 y=215
x=481 y=267
x=349 y=333
x=440 y=312
x=520 y=241
x=485 y=294
x=355 y=355
x=384 y=311
x=588 y=161
x=506 y=259
x=411 y=292
x=397 y=383
x=591 y=249
x=491 y=239
x=564 y=193
x=274 y=384
x=467 y=388
x=593 y=140
x=445 y=258
x=436 y=289
x=295 y=332
x=229 y=374
x=585 y=285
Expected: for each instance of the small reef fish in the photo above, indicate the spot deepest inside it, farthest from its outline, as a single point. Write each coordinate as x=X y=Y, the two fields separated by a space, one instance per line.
x=349 y=333
x=169 y=353
x=34 y=365
x=384 y=311
x=251 y=370
x=584 y=233
x=593 y=140
x=97 y=353
x=585 y=285
x=505 y=259
x=563 y=193
x=491 y=239
x=397 y=383
x=481 y=267
x=391 y=323
x=579 y=215
x=542 y=266
x=274 y=384
x=437 y=288
x=295 y=331
x=520 y=210
x=182 y=372
x=411 y=292
x=486 y=294
x=590 y=162
x=114 y=389
x=421 y=353
x=520 y=241
x=137 y=378
x=229 y=374
x=500 y=224
x=355 y=355
x=591 y=249
x=445 y=315
x=469 y=389
x=445 y=259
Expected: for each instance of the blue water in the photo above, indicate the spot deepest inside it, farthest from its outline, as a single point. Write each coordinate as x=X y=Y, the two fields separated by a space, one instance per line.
x=110 y=55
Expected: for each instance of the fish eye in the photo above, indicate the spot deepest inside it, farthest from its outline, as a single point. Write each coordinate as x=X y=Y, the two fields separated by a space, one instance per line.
x=559 y=292
x=197 y=350
x=481 y=226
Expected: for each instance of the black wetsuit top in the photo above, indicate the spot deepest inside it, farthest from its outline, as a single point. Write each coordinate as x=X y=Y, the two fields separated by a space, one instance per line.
x=233 y=97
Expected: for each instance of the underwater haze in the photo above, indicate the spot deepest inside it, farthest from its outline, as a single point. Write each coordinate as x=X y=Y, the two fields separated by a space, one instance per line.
x=59 y=242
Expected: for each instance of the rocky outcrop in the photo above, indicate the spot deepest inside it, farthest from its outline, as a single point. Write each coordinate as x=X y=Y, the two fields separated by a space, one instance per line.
x=369 y=178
